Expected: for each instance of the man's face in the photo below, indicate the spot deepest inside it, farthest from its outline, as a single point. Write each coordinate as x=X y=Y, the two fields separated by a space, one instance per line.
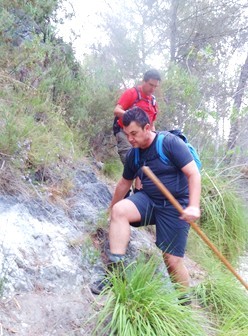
x=150 y=86
x=138 y=137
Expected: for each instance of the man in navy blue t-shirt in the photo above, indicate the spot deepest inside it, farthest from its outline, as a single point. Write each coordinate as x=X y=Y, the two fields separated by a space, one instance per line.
x=149 y=206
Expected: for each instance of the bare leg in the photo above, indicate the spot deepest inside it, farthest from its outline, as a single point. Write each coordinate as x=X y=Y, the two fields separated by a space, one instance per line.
x=123 y=213
x=177 y=270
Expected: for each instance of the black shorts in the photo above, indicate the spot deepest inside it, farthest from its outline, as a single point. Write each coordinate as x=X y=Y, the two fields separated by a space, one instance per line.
x=171 y=231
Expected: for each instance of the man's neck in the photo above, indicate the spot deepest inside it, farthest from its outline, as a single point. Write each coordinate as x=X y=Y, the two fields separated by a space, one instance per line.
x=142 y=91
x=150 y=140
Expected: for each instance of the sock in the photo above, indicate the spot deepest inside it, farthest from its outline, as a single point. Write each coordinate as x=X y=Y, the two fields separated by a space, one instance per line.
x=115 y=258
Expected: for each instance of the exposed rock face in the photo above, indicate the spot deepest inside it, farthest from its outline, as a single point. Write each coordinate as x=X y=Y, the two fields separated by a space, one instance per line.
x=47 y=259
x=89 y=196
x=35 y=248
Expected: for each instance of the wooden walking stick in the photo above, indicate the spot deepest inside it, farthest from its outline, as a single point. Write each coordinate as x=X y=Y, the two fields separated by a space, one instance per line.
x=178 y=206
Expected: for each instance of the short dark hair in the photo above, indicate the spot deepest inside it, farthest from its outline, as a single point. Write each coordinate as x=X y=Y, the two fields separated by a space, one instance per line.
x=135 y=114
x=151 y=74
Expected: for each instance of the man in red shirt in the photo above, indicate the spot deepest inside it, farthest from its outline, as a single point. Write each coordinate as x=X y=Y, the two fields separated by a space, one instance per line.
x=141 y=96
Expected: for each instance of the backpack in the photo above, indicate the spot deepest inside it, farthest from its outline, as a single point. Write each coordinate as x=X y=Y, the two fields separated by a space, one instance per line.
x=161 y=154
x=116 y=127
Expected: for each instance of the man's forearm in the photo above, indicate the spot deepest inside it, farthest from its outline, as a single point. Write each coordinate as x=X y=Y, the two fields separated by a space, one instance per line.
x=194 y=190
x=118 y=111
x=120 y=191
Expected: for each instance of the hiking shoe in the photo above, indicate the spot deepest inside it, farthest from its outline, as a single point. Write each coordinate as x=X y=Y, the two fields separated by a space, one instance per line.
x=99 y=286
x=185 y=300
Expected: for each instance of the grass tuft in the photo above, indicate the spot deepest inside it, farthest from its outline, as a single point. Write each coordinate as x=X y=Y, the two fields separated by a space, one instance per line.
x=223 y=218
x=226 y=301
x=142 y=303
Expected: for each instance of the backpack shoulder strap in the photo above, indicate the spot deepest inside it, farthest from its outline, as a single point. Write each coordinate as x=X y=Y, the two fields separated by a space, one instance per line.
x=159 y=148
x=138 y=95
x=195 y=156
x=136 y=157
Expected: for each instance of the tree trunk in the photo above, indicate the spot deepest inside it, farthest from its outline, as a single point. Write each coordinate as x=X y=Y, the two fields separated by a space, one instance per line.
x=173 y=28
x=235 y=124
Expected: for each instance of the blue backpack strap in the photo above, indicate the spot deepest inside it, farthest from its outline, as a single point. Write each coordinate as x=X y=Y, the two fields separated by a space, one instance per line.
x=159 y=148
x=136 y=157
x=195 y=156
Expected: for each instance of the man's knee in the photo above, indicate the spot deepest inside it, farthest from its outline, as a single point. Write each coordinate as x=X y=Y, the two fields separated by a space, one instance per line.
x=119 y=210
x=125 y=210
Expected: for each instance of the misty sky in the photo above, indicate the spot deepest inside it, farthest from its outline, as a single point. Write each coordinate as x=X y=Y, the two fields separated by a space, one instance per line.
x=83 y=24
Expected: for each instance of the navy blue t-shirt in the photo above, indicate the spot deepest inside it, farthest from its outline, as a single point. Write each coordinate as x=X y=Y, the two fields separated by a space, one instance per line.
x=170 y=174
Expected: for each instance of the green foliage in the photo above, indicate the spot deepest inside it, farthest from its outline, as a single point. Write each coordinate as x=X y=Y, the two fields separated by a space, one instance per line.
x=223 y=221
x=226 y=302
x=40 y=10
x=99 y=93
x=223 y=218
x=113 y=168
x=235 y=325
x=32 y=131
x=182 y=96
x=140 y=303
x=220 y=293
x=34 y=127
x=182 y=109
x=84 y=93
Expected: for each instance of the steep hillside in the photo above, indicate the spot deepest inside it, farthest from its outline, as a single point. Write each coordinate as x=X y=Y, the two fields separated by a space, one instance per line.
x=55 y=128
x=49 y=254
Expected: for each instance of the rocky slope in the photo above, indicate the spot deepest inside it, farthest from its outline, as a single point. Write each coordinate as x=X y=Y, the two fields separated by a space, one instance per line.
x=49 y=254
x=45 y=268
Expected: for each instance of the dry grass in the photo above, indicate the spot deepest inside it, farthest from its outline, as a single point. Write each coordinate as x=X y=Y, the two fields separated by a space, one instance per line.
x=11 y=182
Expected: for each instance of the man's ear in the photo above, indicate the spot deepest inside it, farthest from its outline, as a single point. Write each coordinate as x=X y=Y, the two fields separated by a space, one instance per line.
x=147 y=127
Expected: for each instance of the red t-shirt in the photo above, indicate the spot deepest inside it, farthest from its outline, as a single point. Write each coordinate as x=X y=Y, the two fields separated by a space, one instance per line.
x=130 y=99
